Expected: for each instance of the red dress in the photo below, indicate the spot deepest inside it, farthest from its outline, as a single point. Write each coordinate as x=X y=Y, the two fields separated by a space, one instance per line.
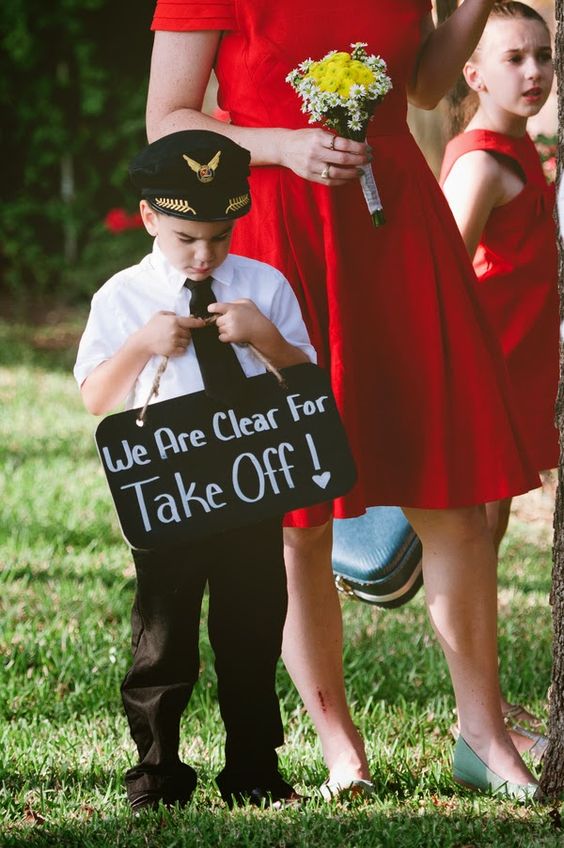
x=392 y=311
x=517 y=267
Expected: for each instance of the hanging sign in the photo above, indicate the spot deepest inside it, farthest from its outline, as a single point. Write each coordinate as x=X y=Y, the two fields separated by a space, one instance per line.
x=196 y=468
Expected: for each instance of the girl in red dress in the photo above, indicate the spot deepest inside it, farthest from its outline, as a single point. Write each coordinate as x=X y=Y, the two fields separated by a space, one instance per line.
x=394 y=317
x=494 y=182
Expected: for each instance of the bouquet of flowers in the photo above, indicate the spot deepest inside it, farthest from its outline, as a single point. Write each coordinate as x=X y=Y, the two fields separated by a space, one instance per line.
x=342 y=91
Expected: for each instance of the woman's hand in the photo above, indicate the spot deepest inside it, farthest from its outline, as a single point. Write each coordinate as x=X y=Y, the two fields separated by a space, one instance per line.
x=167 y=334
x=322 y=157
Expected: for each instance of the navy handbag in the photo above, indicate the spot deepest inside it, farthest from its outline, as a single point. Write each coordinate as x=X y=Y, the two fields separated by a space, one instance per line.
x=377 y=557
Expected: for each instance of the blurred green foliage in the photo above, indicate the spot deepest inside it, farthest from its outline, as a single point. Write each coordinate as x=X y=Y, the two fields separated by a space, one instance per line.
x=73 y=77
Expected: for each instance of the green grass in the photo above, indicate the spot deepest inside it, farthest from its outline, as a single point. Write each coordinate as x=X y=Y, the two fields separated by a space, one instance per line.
x=66 y=587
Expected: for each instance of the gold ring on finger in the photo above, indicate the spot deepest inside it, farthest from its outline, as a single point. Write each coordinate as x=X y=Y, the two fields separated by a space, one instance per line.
x=325 y=172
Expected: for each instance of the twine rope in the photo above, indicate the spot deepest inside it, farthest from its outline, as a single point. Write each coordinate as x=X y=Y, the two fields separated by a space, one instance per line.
x=154 y=390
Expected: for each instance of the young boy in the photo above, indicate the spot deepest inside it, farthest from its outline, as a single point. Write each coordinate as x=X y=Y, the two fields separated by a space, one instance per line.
x=193 y=186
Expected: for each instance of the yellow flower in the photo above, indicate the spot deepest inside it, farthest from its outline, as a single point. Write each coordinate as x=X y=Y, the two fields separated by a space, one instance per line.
x=329 y=84
x=361 y=73
x=339 y=72
x=341 y=57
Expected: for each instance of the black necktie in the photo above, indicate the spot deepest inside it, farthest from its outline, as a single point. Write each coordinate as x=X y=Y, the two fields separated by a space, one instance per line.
x=224 y=379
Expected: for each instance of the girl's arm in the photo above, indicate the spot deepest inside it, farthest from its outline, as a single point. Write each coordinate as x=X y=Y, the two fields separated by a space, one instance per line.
x=181 y=65
x=444 y=51
x=473 y=187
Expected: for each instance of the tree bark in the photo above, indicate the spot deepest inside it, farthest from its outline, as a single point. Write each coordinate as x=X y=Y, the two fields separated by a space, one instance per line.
x=552 y=780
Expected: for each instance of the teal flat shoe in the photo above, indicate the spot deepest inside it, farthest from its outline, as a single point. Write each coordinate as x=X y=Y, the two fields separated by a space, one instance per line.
x=473 y=773
x=538 y=742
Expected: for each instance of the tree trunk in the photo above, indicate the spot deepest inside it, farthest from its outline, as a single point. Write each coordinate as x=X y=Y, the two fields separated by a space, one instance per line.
x=552 y=780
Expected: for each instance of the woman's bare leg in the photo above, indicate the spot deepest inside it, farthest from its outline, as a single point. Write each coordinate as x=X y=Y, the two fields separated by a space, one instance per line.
x=313 y=646
x=460 y=574
x=497 y=513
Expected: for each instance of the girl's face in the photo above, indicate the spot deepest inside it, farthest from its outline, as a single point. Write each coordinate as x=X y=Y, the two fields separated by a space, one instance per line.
x=512 y=68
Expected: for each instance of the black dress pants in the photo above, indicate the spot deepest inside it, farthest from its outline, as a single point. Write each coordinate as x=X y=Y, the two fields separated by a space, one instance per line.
x=247 y=607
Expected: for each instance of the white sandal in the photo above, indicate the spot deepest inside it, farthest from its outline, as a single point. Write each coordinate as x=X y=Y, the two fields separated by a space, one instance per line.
x=333 y=791
x=532 y=732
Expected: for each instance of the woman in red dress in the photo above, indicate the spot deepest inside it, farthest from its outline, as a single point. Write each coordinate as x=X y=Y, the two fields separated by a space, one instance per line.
x=394 y=317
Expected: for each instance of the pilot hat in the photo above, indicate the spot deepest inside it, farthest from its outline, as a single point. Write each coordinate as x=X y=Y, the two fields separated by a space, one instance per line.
x=194 y=174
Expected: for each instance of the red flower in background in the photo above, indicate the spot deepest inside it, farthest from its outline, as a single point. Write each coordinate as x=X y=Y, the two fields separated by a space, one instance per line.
x=118 y=220
x=547 y=148
x=549 y=168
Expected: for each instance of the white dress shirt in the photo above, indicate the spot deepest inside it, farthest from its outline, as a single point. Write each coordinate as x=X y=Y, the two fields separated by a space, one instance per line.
x=130 y=299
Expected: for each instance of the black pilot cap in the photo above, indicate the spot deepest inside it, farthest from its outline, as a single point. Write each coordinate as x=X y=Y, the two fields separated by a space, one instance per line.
x=194 y=174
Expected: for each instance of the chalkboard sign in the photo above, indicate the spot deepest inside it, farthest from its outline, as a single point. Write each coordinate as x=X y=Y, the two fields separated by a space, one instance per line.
x=196 y=468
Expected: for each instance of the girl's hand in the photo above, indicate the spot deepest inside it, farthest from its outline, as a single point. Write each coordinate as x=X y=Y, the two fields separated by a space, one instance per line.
x=322 y=157
x=241 y=322
x=167 y=334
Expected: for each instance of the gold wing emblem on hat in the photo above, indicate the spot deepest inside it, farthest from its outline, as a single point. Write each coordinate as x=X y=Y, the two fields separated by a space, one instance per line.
x=205 y=173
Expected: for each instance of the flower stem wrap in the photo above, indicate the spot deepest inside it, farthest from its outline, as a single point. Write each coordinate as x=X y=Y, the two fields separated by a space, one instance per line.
x=370 y=191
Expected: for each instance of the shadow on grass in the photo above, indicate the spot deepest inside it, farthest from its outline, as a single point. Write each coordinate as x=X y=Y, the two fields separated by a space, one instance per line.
x=16 y=355
x=61 y=779
x=60 y=538
x=314 y=826
x=77 y=448
x=48 y=347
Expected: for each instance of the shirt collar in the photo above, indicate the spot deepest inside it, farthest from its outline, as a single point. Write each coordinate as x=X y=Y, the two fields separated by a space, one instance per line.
x=225 y=272
x=175 y=279
x=166 y=270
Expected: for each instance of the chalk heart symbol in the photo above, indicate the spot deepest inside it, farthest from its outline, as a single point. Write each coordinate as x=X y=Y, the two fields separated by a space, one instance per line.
x=321 y=480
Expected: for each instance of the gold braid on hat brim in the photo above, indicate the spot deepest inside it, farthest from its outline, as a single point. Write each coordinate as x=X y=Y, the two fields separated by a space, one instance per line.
x=176 y=204
x=236 y=203
x=173 y=204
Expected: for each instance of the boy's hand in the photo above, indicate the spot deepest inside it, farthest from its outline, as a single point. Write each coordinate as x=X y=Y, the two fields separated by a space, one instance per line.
x=242 y=322
x=168 y=334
